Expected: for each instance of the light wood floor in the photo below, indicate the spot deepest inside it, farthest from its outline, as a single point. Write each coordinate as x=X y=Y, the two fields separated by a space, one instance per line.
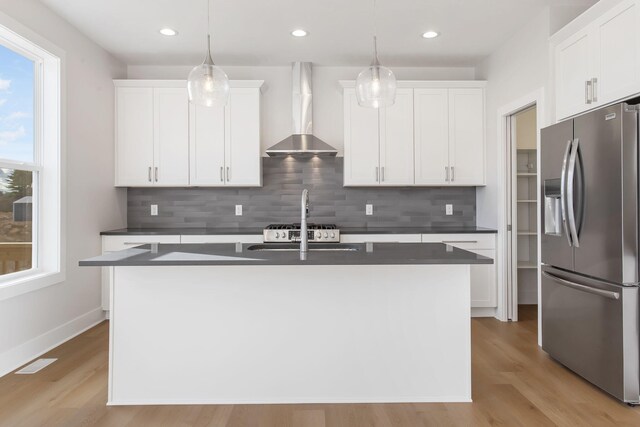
x=514 y=384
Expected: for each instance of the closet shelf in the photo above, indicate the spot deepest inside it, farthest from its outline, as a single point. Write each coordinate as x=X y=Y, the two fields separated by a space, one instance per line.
x=526 y=265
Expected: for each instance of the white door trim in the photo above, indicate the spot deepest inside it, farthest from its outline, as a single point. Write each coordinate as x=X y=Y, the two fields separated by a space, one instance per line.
x=533 y=98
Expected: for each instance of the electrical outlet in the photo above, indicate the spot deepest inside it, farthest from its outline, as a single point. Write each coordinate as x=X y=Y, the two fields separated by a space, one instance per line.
x=154 y=210
x=369 y=210
x=238 y=210
x=449 y=209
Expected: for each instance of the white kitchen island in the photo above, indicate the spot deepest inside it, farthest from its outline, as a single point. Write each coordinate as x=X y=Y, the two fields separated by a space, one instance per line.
x=206 y=324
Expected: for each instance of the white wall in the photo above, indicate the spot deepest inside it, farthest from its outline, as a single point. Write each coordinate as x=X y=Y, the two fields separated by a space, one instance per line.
x=327 y=93
x=519 y=67
x=35 y=321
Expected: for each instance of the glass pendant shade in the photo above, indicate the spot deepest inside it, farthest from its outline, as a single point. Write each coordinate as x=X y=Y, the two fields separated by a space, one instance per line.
x=376 y=85
x=207 y=84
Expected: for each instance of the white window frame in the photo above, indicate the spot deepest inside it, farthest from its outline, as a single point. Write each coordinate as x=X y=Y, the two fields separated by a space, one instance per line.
x=48 y=208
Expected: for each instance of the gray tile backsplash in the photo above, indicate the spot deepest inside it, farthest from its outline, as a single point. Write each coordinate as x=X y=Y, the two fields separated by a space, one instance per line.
x=278 y=201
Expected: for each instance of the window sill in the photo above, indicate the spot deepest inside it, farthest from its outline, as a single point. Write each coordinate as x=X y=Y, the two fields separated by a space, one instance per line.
x=29 y=281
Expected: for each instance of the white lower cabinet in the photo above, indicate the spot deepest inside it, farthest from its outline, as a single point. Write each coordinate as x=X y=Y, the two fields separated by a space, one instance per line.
x=380 y=238
x=484 y=284
x=222 y=238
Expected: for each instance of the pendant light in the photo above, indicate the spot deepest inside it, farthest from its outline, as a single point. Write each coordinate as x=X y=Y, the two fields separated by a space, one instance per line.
x=208 y=85
x=376 y=85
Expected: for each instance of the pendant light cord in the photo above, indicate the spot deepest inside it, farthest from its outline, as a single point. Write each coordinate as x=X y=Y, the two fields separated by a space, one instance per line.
x=376 y=61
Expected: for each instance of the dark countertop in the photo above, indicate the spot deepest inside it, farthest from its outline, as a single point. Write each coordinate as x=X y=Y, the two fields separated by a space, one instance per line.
x=227 y=254
x=249 y=231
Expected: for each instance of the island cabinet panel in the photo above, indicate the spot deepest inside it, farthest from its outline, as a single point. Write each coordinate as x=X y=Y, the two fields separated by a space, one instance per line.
x=484 y=284
x=162 y=140
x=118 y=243
x=299 y=334
x=597 y=58
x=433 y=135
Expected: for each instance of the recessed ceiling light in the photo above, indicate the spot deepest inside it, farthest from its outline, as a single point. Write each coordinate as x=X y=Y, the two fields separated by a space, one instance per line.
x=430 y=34
x=299 y=33
x=168 y=32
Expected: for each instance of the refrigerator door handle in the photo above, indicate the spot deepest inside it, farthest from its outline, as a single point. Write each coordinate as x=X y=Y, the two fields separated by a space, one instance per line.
x=575 y=146
x=577 y=286
x=563 y=193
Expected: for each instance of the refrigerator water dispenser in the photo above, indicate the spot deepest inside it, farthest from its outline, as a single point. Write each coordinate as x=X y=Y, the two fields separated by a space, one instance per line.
x=552 y=207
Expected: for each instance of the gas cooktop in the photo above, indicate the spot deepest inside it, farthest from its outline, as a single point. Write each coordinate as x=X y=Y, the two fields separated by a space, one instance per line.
x=291 y=233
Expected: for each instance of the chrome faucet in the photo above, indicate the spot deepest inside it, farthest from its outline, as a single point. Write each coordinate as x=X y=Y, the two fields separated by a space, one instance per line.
x=304 y=214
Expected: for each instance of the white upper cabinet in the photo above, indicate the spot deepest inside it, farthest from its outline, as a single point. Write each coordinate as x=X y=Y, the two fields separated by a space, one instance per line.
x=207 y=141
x=225 y=142
x=162 y=140
x=171 y=136
x=432 y=136
x=617 y=53
x=466 y=137
x=243 y=164
x=152 y=135
x=396 y=140
x=361 y=143
x=573 y=74
x=431 y=113
x=598 y=62
x=134 y=136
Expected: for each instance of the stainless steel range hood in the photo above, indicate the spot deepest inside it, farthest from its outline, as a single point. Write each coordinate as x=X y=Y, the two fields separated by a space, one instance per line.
x=302 y=142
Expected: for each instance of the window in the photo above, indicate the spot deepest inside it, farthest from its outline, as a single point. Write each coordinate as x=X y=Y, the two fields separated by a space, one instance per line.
x=31 y=254
x=17 y=147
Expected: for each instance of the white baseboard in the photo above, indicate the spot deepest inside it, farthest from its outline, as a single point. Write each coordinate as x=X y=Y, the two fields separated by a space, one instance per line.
x=483 y=312
x=528 y=296
x=22 y=354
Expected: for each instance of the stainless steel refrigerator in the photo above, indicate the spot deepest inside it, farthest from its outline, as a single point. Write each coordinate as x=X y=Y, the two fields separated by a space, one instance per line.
x=590 y=268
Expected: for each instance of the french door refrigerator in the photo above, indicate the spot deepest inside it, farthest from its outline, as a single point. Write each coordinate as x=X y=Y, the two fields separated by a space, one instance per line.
x=589 y=298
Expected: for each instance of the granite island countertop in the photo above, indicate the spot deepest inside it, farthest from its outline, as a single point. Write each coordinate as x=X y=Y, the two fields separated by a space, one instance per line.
x=241 y=254
x=253 y=231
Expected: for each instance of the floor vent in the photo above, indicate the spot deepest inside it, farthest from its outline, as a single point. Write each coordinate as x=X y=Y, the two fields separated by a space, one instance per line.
x=36 y=366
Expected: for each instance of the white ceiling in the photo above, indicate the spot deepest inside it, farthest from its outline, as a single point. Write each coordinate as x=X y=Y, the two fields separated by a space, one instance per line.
x=257 y=32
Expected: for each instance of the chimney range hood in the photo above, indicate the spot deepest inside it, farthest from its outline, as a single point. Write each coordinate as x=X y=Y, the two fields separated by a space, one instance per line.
x=302 y=143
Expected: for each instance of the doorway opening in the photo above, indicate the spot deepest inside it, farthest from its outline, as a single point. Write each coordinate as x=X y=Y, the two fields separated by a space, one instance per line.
x=522 y=213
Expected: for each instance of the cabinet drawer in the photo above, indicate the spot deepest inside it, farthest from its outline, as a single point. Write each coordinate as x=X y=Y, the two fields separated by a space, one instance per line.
x=118 y=243
x=390 y=238
x=463 y=241
x=232 y=238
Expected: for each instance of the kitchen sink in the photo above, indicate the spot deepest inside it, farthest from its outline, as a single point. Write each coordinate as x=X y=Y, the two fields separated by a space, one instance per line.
x=291 y=247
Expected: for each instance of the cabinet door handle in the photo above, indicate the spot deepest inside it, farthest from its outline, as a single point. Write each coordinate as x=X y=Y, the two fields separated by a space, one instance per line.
x=149 y=173
x=594 y=86
x=459 y=241
x=446 y=172
x=377 y=175
x=221 y=174
x=453 y=173
x=587 y=92
x=382 y=174
x=228 y=174
x=156 y=171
